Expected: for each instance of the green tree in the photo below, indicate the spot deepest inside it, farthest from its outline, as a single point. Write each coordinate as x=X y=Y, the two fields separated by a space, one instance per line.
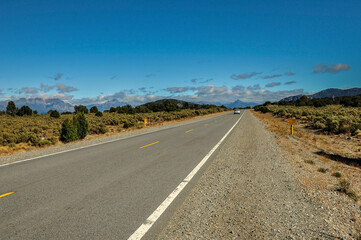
x=186 y=105
x=24 y=110
x=11 y=108
x=68 y=131
x=80 y=109
x=125 y=109
x=141 y=109
x=170 y=106
x=155 y=106
x=99 y=114
x=81 y=125
x=94 y=109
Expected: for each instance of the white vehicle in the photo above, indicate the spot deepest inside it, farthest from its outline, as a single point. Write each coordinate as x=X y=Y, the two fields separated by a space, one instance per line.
x=237 y=111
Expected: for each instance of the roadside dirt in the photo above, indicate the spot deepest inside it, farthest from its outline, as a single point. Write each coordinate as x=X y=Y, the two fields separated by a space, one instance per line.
x=254 y=189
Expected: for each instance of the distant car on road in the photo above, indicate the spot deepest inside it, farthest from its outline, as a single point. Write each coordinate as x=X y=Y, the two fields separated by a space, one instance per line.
x=237 y=111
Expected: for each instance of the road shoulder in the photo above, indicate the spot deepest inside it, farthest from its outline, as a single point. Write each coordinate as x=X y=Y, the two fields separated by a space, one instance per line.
x=249 y=191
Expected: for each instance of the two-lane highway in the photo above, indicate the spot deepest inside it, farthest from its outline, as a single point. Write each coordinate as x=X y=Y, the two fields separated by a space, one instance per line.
x=105 y=191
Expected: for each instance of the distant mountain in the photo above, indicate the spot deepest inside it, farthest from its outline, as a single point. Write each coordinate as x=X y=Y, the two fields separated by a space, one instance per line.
x=240 y=104
x=40 y=104
x=107 y=105
x=179 y=103
x=331 y=92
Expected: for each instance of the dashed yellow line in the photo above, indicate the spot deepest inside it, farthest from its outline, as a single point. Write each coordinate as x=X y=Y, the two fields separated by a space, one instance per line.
x=206 y=124
x=6 y=194
x=150 y=144
x=189 y=131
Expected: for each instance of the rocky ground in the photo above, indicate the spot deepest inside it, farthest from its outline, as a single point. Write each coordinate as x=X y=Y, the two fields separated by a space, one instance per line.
x=252 y=191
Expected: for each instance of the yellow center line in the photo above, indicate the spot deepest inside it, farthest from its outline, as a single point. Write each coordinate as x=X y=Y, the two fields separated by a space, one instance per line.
x=189 y=131
x=150 y=144
x=206 y=124
x=6 y=194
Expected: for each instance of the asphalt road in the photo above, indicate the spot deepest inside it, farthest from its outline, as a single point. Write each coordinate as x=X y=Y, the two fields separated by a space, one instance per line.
x=105 y=191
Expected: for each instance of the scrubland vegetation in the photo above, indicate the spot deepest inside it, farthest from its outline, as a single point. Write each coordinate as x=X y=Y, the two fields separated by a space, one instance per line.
x=336 y=116
x=39 y=130
x=325 y=148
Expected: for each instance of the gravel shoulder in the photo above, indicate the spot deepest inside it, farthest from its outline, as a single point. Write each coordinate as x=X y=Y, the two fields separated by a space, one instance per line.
x=249 y=191
x=66 y=147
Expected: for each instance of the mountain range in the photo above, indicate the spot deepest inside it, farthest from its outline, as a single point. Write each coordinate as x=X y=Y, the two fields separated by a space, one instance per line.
x=44 y=105
x=330 y=92
x=40 y=104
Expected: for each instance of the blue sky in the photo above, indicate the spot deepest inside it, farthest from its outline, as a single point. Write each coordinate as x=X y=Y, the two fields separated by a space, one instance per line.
x=210 y=51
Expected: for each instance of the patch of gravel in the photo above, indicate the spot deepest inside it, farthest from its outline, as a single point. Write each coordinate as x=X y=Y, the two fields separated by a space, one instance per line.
x=70 y=146
x=250 y=192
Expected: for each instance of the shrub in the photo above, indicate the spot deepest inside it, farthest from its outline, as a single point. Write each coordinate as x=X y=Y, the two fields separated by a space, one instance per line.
x=66 y=113
x=98 y=129
x=262 y=109
x=343 y=186
x=68 y=131
x=310 y=162
x=81 y=125
x=94 y=109
x=126 y=125
x=337 y=174
x=322 y=170
x=12 y=145
x=54 y=114
x=99 y=114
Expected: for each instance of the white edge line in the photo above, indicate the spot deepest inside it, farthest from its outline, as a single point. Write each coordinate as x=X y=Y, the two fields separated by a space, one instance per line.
x=143 y=229
x=92 y=145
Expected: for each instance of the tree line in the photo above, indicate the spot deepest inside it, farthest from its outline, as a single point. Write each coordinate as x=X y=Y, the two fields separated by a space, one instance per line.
x=166 y=106
x=347 y=101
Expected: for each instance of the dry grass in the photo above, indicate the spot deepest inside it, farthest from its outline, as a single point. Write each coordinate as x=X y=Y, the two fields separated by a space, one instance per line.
x=50 y=128
x=307 y=145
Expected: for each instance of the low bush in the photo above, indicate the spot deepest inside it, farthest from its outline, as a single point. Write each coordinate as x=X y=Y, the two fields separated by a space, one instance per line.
x=99 y=114
x=81 y=124
x=322 y=170
x=68 y=131
x=310 y=162
x=54 y=114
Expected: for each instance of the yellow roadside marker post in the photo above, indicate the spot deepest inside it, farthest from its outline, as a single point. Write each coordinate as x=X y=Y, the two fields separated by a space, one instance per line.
x=292 y=122
x=145 y=121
